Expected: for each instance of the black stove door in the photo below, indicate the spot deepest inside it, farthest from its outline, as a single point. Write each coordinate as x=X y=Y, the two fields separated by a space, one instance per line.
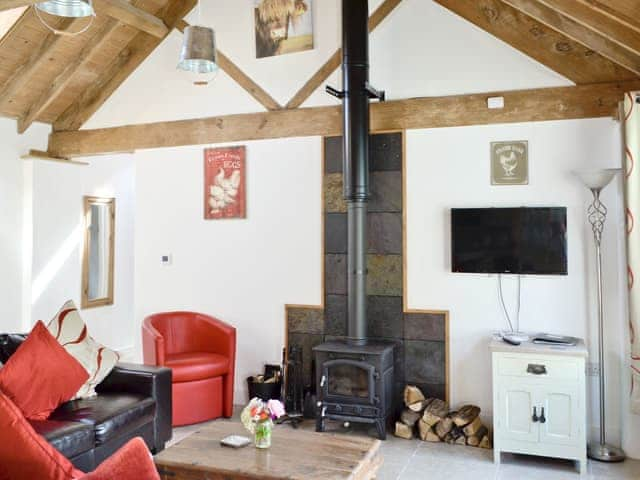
x=348 y=381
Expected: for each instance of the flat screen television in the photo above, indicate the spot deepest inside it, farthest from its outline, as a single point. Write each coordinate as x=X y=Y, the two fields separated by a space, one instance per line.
x=526 y=240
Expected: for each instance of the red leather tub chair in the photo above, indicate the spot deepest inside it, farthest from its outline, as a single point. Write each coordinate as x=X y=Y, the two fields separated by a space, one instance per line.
x=201 y=352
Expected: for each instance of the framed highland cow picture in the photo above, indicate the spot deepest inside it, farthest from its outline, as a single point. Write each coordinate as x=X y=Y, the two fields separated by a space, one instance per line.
x=225 y=183
x=283 y=26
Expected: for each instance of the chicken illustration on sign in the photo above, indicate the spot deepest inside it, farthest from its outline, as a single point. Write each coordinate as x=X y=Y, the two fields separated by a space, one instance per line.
x=224 y=183
x=509 y=163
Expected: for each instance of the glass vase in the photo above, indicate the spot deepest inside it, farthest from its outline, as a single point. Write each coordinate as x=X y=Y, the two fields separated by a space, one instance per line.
x=262 y=436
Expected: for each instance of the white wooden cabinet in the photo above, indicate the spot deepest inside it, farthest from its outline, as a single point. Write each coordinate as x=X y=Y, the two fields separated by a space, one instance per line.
x=539 y=401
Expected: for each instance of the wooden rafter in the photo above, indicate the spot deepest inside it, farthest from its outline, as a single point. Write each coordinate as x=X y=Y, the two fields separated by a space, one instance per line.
x=37 y=59
x=130 y=15
x=333 y=63
x=553 y=49
x=241 y=78
x=588 y=101
x=138 y=49
x=121 y=10
x=65 y=77
x=590 y=38
x=625 y=32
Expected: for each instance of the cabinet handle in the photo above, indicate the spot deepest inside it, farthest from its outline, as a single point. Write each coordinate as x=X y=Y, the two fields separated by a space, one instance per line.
x=542 y=417
x=535 y=415
x=536 y=369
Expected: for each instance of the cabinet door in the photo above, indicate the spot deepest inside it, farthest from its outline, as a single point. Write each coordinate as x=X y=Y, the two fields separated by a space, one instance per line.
x=562 y=411
x=516 y=401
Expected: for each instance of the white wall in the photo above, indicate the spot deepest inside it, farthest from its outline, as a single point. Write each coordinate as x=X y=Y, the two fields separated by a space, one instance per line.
x=421 y=49
x=13 y=247
x=242 y=271
x=450 y=168
x=58 y=236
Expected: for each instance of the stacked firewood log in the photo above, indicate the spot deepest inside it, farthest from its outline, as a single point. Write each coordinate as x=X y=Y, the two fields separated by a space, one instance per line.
x=431 y=419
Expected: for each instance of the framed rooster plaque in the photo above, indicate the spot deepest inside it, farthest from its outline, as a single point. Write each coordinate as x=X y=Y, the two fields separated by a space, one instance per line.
x=510 y=163
x=225 y=183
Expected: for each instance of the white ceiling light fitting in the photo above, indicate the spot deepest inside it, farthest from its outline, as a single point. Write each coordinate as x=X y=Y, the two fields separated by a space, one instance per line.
x=66 y=8
x=198 y=53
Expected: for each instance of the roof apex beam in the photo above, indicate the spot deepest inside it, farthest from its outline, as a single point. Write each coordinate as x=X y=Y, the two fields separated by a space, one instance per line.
x=548 y=13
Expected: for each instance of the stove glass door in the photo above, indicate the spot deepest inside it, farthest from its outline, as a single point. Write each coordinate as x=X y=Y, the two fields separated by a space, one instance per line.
x=348 y=379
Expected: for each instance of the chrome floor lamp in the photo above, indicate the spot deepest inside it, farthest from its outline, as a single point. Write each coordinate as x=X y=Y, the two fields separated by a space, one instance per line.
x=596 y=181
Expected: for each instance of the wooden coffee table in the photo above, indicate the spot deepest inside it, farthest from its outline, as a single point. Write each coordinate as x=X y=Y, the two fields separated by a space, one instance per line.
x=294 y=454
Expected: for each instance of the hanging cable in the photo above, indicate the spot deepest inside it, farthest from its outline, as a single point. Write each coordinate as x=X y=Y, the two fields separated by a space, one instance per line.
x=504 y=307
x=63 y=32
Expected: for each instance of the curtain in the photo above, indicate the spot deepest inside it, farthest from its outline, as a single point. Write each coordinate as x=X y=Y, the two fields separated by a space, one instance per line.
x=631 y=127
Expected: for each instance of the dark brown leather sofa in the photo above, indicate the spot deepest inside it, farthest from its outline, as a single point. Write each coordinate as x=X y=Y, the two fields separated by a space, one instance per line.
x=134 y=400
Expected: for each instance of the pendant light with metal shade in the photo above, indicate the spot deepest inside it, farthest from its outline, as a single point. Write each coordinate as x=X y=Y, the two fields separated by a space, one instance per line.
x=66 y=8
x=198 y=53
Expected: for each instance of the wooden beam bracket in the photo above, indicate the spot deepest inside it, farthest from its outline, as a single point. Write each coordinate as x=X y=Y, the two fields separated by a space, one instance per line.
x=40 y=155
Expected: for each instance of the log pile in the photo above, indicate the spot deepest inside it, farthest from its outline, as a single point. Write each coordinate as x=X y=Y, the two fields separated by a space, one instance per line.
x=432 y=421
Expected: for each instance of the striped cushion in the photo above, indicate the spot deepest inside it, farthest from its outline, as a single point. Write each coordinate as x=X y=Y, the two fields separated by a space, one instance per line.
x=70 y=331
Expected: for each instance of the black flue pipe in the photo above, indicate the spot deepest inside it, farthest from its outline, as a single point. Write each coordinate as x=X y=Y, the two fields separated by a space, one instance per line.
x=355 y=102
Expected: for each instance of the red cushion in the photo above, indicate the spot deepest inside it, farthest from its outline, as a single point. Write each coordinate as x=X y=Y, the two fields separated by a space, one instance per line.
x=131 y=462
x=41 y=375
x=191 y=366
x=25 y=455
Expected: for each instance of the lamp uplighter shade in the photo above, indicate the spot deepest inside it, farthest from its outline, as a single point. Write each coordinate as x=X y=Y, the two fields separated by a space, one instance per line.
x=597 y=179
x=67 y=8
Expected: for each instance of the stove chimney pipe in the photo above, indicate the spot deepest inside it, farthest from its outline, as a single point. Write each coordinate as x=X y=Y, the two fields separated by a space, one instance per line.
x=355 y=106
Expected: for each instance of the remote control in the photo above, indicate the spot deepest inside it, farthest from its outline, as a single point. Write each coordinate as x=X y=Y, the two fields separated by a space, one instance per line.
x=511 y=341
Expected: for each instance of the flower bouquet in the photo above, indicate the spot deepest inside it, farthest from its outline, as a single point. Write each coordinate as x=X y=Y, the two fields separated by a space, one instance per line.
x=258 y=416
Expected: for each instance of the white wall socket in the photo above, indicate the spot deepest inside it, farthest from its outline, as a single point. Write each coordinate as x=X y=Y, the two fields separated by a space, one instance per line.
x=166 y=259
x=593 y=369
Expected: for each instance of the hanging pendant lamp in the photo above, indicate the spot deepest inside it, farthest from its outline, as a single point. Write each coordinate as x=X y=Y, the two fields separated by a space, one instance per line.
x=67 y=8
x=198 y=54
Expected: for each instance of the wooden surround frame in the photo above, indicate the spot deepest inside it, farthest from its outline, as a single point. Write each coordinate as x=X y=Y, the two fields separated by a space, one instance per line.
x=405 y=307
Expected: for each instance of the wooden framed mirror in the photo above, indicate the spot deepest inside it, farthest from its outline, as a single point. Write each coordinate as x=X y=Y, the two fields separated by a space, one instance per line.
x=98 y=255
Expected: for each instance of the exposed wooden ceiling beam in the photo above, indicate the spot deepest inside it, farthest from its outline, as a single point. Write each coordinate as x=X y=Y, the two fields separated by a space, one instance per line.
x=588 y=101
x=333 y=63
x=37 y=59
x=9 y=4
x=121 y=10
x=582 y=34
x=554 y=50
x=241 y=78
x=138 y=49
x=130 y=15
x=607 y=24
x=64 y=78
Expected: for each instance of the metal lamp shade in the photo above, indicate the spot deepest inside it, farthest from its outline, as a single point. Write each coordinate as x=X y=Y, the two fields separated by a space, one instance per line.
x=198 y=52
x=67 y=8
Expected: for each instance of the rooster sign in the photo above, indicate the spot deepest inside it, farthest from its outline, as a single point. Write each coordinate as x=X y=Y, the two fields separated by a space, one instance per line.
x=224 y=183
x=510 y=163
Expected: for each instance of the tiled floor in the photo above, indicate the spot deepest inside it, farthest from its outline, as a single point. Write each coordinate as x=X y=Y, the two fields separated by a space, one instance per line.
x=416 y=460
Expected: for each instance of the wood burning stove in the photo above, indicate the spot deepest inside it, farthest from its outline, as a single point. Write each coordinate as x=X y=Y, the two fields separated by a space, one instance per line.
x=354 y=379
x=355 y=383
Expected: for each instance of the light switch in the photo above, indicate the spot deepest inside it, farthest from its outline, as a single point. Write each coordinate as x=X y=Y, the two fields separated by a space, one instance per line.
x=495 y=102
